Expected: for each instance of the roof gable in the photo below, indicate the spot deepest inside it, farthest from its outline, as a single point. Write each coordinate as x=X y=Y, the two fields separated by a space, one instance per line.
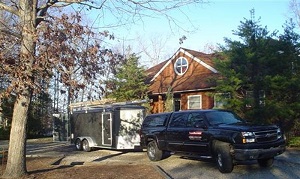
x=194 y=55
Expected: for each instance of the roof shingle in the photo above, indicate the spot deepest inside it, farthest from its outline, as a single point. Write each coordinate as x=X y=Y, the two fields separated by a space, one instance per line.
x=198 y=77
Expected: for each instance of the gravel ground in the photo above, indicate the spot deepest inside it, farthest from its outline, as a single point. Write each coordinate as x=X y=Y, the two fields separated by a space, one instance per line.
x=63 y=161
x=47 y=159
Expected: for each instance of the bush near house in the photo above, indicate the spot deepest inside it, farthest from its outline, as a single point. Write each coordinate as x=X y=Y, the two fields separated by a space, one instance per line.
x=294 y=142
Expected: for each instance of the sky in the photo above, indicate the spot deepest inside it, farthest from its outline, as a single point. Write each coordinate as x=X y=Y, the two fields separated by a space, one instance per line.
x=208 y=25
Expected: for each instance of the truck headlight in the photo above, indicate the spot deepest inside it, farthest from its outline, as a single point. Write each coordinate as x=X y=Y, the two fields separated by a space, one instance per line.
x=247 y=134
x=248 y=137
x=279 y=134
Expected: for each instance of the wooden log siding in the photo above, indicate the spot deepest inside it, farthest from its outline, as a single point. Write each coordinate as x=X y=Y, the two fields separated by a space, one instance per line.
x=207 y=101
x=158 y=105
x=193 y=82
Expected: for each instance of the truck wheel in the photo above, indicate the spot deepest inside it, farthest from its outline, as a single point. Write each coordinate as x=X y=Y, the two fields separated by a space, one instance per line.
x=224 y=159
x=78 y=144
x=86 y=146
x=154 y=154
x=266 y=162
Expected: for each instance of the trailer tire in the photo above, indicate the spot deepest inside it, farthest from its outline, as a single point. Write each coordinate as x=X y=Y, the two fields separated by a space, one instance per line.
x=86 y=146
x=78 y=144
x=153 y=152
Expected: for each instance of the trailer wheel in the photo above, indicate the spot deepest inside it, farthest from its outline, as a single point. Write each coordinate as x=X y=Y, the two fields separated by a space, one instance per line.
x=154 y=154
x=78 y=144
x=267 y=162
x=86 y=146
x=223 y=157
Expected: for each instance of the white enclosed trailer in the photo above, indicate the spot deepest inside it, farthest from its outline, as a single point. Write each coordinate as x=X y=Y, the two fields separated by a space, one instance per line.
x=113 y=126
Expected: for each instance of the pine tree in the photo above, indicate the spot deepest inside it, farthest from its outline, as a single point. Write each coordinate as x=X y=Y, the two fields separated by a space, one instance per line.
x=261 y=74
x=129 y=81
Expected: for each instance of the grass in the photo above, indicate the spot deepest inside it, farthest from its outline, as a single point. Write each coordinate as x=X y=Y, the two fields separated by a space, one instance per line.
x=294 y=142
x=40 y=140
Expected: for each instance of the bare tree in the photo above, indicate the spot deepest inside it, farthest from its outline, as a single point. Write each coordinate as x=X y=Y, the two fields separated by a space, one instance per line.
x=210 y=48
x=295 y=9
x=155 y=50
x=28 y=15
x=82 y=57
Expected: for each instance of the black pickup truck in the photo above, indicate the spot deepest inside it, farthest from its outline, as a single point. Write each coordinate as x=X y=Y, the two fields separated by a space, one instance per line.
x=217 y=134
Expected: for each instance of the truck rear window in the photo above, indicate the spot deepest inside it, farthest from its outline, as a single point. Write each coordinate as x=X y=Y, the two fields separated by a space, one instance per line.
x=155 y=120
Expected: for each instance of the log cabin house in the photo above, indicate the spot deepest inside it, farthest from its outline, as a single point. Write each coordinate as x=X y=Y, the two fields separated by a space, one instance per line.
x=186 y=76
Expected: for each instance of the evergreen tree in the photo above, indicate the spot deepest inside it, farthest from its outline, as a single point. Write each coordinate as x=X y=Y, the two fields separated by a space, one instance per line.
x=283 y=100
x=39 y=116
x=261 y=74
x=6 y=111
x=129 y=81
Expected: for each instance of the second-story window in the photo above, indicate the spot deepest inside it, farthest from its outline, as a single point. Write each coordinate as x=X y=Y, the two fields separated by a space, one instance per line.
x=181 y=65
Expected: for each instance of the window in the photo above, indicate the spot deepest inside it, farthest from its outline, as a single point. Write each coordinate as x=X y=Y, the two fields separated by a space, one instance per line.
x=177 y=105
x=181 y=65
x=155 y=120
x=179 y=120
x=220 y=100
x=194 y=118
x=195 y=102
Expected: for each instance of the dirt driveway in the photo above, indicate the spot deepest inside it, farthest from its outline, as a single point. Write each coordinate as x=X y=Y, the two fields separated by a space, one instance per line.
x=47 y=160
x=61 y=160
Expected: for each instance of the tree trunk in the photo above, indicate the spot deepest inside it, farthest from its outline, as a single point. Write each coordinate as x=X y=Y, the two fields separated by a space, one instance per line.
x=16 y=163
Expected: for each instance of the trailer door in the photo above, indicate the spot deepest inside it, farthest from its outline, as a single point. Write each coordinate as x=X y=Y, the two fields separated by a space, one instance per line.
x=106 y=129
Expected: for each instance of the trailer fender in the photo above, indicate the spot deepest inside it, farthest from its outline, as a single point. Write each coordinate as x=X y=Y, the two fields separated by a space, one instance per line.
x=89 y=139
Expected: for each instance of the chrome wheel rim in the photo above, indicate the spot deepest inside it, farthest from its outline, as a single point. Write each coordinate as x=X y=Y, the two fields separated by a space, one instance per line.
x=219 y=160
x=151 y=150
x=78 y=144
x=85 y=145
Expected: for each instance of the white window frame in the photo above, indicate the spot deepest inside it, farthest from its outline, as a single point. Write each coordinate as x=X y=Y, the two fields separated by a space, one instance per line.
x=200 y=101
x=181 y=66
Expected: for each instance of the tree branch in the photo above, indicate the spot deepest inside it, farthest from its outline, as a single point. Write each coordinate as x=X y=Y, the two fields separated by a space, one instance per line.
x=8 y=9
x=8 y=32
x=41 y=11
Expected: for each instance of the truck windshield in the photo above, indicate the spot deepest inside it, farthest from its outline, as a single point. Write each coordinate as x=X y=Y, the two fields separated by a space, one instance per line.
x=222 y=117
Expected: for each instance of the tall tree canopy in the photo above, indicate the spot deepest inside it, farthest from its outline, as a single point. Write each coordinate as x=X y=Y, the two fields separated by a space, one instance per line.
x=261 y=72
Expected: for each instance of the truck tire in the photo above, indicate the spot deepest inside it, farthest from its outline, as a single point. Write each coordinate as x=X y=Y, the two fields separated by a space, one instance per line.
x=223 y=158
x=78 y=144
x=86 y=146
x=154 y=154
x=266 y=162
